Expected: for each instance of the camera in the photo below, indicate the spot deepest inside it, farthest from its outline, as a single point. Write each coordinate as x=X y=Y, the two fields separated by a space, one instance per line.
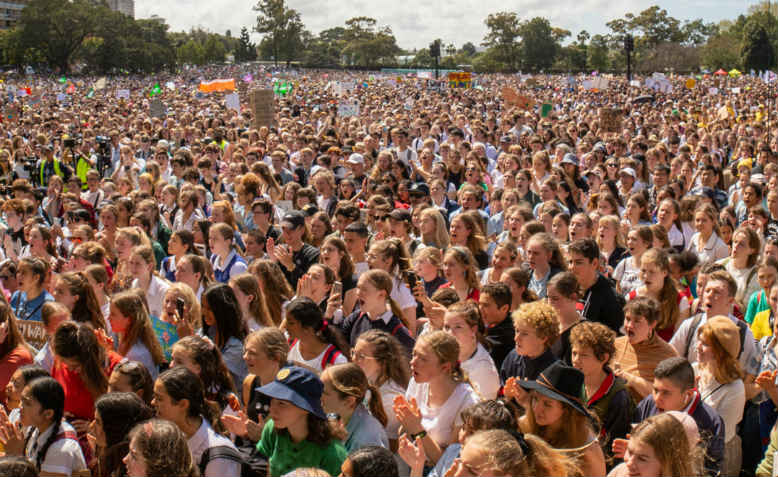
x=72 y=141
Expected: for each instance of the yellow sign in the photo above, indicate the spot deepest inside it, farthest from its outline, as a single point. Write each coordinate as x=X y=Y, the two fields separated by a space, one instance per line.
x=690 y=83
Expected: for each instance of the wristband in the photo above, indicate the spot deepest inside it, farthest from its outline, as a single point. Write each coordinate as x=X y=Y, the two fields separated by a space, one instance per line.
x=421 y=434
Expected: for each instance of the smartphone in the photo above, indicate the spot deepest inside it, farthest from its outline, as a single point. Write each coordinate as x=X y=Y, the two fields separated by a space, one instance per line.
x=337 y=288
x=411 y=278
x=180 y=307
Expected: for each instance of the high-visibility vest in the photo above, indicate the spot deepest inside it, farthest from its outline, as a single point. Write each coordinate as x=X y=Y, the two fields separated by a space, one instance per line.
x=57 y=170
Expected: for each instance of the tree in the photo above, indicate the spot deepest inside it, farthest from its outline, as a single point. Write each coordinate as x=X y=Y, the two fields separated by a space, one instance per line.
x=58 y=28
x=282 y=28
x=367 y=45
x=468 y=49
x=722 y=51
x=245 y=50
x=502 y=38
x=191 y=53
x=597 y=53
x=539 y=43
x=757 y=52
x=214 y=50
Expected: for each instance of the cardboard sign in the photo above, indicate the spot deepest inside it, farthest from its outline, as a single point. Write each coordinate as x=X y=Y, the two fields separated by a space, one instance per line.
x=510 y=96
x=610 y=119
x=525 y=102
x=348 y=109
x=157 y=108
x=263 y=107
x=33 y=332
x=123 y=93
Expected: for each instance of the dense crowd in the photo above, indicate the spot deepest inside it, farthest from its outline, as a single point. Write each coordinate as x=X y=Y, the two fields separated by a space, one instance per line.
x=393 y=277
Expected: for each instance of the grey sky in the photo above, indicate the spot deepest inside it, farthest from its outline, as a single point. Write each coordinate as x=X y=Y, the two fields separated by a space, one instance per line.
x=417 y=23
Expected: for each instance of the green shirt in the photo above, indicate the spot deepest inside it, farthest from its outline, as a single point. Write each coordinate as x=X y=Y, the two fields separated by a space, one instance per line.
x=285 y=456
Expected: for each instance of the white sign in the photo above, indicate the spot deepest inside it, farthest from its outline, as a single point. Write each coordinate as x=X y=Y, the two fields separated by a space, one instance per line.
x=348 y=109
x=735 y=90
x=713 y=90
x=123 y=93
x=232 y=101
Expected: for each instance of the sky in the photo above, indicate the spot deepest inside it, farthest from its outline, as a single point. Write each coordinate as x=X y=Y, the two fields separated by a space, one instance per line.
x=416 y=23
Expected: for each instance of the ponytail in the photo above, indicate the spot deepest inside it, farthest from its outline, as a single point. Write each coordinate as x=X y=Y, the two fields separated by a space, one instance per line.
x=349 y=380
x=376 y=406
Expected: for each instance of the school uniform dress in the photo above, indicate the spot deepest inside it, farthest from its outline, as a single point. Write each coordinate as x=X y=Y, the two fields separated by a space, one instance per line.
x=155 y=295
x=231 y=266
x=364 y=430
x=319 y=362
x=359 y=322
x=64 y=456
x=206 y=438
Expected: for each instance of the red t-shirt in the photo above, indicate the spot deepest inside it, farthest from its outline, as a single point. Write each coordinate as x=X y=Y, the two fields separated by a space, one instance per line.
x=473 y=295
x=19 y=356
x=78 y=399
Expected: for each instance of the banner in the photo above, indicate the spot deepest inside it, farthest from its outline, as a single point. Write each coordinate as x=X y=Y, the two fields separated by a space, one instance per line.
x=157 y=108
x=33 y=332
x=123 y=93
x=460 y=80
x=217 y=85
x=348 y=109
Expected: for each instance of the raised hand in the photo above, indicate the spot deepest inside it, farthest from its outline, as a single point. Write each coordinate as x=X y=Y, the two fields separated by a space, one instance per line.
x=619 y=447
x=242 y=426
x=408 y=414
x=413 y=454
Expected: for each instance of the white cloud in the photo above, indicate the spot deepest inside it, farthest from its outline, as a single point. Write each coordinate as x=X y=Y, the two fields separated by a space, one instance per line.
x=416 y=23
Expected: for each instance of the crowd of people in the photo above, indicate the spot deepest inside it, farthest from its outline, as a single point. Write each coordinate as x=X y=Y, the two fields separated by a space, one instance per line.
x=444 y=282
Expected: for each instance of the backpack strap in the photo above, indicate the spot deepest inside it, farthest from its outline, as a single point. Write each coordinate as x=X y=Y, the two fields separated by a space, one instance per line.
x=219 y=452
x=742 y=328
x=692 y=329
x=66 y=435
x=397 y=328
x=330 y=355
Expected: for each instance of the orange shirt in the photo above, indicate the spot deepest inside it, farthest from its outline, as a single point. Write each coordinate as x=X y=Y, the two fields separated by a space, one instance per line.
x=19 y=356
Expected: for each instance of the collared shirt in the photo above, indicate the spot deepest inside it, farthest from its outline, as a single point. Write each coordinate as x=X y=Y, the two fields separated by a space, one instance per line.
x=713 y=250
x=64 y=456
x=206 y=438
x=364 y=430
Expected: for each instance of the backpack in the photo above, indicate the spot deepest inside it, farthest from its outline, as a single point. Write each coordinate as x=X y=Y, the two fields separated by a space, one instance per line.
x=742 y=328
x=252 y=465
x=330 y=354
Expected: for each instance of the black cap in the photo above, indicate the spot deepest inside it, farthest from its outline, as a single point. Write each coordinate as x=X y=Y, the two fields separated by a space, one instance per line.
x=561 y=383
x=293 y=219
x=419 y=188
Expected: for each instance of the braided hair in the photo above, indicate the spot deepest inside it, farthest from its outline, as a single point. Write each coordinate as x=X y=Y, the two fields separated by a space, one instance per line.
x=49 y=393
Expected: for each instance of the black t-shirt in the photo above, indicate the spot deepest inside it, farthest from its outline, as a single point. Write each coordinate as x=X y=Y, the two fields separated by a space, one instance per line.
x=603 y=305
x=522 y=367
x=303 y=259
x=501 y=340
x=358 y=322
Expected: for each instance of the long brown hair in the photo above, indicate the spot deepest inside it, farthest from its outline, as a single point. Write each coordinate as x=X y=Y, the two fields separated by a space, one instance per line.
x=475 y=241
x=13 y=337
x=86 y=308
x=390 y=355
x=77 y=341
x=131 y=305
x=667 y=437
x=503 y=450
x=249 y=285
x=349 y=380
x=275 y=289
x=164 y=448
x=574 y=432
x=669 y=312
x=346 y=267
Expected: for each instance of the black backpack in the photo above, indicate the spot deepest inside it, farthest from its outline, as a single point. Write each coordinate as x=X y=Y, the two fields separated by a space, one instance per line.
x=253 y=465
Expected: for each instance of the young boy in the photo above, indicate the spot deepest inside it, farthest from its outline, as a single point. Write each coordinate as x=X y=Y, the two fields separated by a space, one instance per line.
x=537 y=327
x=593 y=345
x=494 y=302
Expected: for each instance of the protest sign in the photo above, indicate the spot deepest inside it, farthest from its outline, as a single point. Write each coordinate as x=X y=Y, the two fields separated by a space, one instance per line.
x=157 y=108
x=33 y=332
x=545 y=110
x=460 y=80
x=525 y=102
x=123 y=93
x=510 y=96
x=610 y=119
x=263 y=107
x=232 y=101
x=348 y=109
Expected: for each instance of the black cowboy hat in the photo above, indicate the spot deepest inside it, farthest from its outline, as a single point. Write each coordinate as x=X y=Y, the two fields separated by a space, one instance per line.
x=559 y=382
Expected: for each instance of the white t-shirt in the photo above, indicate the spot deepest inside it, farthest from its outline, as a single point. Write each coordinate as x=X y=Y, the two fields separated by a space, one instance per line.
x=627 y=275
x=205 y=438
x=315 y=363
x=390 y=390
x=402 y=295
x=483 y=373
x=441 y=422
x=728 y=400
x=64 y=456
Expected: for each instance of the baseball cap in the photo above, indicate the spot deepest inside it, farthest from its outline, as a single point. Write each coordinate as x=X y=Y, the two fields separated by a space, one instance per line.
x=400 y=215
x=629 y=171
x=570 y=159
x=419 y=188
x=356 y=158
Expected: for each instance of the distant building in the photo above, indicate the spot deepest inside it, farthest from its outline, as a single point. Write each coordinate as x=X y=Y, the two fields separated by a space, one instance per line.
x=124 y=6
x=11 y=13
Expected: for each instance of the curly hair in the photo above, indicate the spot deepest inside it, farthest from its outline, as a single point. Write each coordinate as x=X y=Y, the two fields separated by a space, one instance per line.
x=595 y=336
x=164 y=448
x=540 y=316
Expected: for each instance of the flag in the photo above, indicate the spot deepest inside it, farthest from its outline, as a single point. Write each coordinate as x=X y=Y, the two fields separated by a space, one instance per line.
x=100 y=84
x=71 y=88
x=91 y=93
x=545 y=109
x=248 y=78
x=63 y=80
x=155 y=90
x=217 y=85
x=282 y=88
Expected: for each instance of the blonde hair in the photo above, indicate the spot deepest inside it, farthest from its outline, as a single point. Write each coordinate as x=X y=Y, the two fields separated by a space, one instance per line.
x=441 y=237
x=503 y=452
x=725 y=368
x=540 y=316
x=667 y=437
x=272 y=341
x=184 y=291
x=446 y=348
x=612 y=221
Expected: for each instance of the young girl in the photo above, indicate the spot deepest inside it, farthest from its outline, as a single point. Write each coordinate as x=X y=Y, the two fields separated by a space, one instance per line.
x=345 y=390
x=297 y=433
x=223 y=324
x=436 y=395
x=251 y=301
x=463 y=321
x=31 y=295
x=14 y=350
x=73 y=290
x=333 y=254
x=662 y=445
x=266 y=352
x=668 y=215
x=273 y=286
x=517 y=280
x=224 y=256
x=383 y=359
x=115 y=416
x=545 y=260
x=659 y=285
x=171 y=326
x=391 y=256
x=466 y=232
x=706 y=242
x=610 y=241
x=316 y=284
x=180 y=244
x=23 y=376
x=741 y=263
x=427 y=264
x=315 y=343
x=200 y=356
x=51 y=442
x=137 y=341
x=720 y=382
x=558 y=416
x=179 y=397
x=192 y=270
x=132 y=377
x=759 y=305
x=99 y=281
x=433 y=231
x=504 y=257
x=142 y=267
x=563 y=297
x=459 y=268
x=377 y=310
x=627 y=272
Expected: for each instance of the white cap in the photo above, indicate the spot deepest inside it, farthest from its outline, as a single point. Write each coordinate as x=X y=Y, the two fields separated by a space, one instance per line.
x=630 y=171
x=356 y=159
